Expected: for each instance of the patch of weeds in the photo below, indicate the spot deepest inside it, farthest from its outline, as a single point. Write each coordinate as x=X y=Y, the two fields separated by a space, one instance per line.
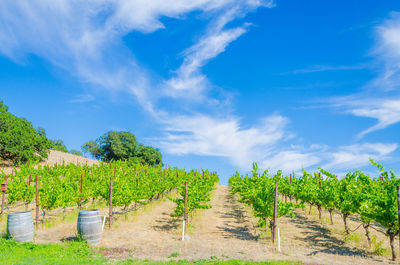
x=377 y=246
x=174 y=255
x=213 y=258
x=353 y=237
x=225 y=256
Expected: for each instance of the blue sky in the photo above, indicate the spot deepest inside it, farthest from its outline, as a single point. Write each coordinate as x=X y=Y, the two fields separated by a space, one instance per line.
x=212 y=84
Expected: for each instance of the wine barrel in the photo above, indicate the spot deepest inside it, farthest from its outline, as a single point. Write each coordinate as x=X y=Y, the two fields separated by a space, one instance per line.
x=20 y=226
x=90 y=226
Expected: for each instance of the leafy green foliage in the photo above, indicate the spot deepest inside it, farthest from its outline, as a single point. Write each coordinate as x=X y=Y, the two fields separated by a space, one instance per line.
x=19 y=141
x=259 y=192
x=58 y=145
x=199 y=187
x=356 y=193
x=122 y=146
x=76 y=152
x=59 y=185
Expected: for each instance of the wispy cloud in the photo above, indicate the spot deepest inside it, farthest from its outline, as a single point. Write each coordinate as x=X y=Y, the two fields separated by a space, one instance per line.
x=388 y=52
x=226 y=137
x=325 y=68
x=379 y=99
x=83 y=98
x=358 y=155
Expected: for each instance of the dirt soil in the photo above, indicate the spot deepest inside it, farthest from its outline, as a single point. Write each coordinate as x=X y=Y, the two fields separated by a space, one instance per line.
x=226 y=231
x=54 y=157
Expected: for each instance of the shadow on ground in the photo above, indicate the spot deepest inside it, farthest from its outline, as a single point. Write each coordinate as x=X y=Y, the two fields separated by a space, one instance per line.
x=166 y=223
x=235 y=221
x=319 y=237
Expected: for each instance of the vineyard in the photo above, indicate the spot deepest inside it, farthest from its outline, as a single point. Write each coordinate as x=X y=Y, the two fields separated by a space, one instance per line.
x=117 y=184
x=374 y=200
x=237 y=222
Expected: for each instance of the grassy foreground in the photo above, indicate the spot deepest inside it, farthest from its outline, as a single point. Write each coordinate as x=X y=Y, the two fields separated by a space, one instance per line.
x=12 y=252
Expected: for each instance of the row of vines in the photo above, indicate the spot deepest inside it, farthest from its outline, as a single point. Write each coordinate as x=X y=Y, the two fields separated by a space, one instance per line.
x=62 y=186
x=374 y=200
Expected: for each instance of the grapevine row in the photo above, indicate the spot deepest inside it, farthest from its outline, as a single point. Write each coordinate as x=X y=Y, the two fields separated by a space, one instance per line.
x=375 y=200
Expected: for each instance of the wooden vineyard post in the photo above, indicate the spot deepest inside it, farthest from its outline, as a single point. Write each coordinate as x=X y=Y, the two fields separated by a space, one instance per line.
x=203 y=174
x=80 y=190
x=163 y=180
x=184 y=214
x=273 y=228
x=29 y=184
x=3 y=195
x=398 y=206
x=37 y=202
x=110 y=210
x=319 y=206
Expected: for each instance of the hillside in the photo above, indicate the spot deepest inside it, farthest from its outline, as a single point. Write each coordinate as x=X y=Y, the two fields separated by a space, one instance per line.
x=55 y=157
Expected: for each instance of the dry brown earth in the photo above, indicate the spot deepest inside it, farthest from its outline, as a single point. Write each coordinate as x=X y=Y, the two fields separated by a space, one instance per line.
x=55 y=157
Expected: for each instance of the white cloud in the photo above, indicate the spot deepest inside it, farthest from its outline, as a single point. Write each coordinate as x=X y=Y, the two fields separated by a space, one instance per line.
x=358 y=155
x=85 y=37
x=83 y=98
x=291 y=160
x=204 y=135
x=388 y=52
x=380 y=99
x=385 y=110
x=324 y=68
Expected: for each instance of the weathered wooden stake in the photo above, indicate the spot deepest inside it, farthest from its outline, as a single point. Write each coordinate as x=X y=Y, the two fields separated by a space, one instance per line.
x=110 y=213
x=37 y=202
x=398 y=207
x=185 y=210
x=3 y=195
x=275 y=212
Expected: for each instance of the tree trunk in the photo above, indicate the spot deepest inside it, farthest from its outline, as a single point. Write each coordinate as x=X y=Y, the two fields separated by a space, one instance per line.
x=367 y=233
x=330 y=215
x=320 y=212
x=310 y=209
x=392 y=236
x=345 y=224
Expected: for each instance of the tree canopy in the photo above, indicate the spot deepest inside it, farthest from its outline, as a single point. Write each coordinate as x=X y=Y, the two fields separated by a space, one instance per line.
x=122 y=146
x=19 y=141
x=58 y=145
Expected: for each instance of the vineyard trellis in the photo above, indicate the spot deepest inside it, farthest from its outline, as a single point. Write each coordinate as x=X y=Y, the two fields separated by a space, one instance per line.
x=375 y=200
x=118 y=183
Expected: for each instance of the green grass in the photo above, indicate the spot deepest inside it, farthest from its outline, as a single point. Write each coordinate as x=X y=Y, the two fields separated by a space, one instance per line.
x=12 y=252
x=78 y=253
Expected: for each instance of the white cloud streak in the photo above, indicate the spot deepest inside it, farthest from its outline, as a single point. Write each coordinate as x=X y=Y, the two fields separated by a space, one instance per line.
x=204 y=135
x=381 y=98
x=325 y=68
